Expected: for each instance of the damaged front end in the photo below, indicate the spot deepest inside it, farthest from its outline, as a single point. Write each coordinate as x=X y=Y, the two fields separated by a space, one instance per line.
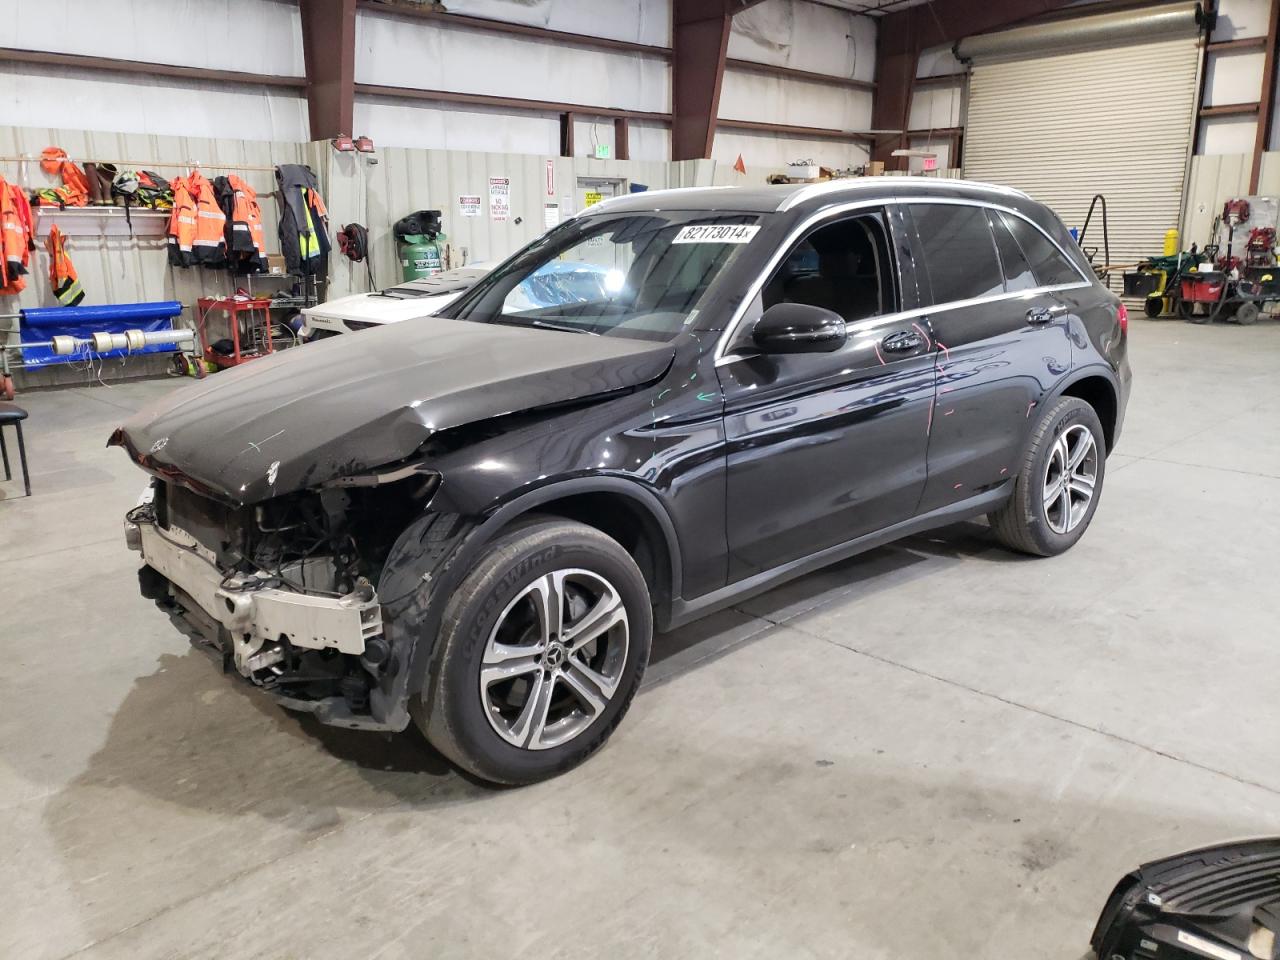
x=283 y=591
x=1221 y=902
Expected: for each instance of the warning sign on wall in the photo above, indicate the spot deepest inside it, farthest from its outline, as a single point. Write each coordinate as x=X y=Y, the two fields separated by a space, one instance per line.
x=592 y=197
x=469 y=205
x=500 y=198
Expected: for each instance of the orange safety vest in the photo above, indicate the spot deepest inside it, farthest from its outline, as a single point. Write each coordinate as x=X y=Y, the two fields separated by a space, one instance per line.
x=62 y=272
x=74 y=191
x=15 y=237
x=196 y=224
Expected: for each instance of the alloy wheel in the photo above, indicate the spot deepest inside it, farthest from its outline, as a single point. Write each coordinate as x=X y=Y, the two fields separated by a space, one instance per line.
x=1070 y=476
x=554 y=659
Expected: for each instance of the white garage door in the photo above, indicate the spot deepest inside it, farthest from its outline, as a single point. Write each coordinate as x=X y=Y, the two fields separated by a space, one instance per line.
x=1065 y=126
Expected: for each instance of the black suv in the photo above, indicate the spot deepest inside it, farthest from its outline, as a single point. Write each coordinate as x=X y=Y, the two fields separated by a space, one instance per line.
x=477 y=520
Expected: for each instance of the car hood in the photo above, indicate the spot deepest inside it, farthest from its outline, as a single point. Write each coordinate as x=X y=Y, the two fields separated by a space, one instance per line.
x=434 y=293
x=345 y=405
x=375 y=308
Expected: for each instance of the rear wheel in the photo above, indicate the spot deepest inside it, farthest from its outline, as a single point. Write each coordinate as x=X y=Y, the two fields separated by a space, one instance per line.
x=1056 y=492
x=542 y=650
x=1247 y=313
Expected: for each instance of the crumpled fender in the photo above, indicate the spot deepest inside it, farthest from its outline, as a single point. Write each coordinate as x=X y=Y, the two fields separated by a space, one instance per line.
x=430 y=559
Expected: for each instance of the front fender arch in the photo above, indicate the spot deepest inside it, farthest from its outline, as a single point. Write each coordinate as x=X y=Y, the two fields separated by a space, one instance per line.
x=433 y=555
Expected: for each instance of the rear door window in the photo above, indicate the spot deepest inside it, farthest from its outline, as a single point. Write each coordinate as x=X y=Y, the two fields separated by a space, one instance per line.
x=1048 y=263
x=958 y=250
x=1013 y=263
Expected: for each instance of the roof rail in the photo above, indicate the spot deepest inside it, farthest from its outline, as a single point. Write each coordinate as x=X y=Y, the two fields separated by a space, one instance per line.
x=866 y=183
x=648 y=193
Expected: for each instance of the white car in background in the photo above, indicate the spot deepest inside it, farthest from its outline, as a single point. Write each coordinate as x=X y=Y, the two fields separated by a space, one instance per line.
x=556 y=284
x=404 y=301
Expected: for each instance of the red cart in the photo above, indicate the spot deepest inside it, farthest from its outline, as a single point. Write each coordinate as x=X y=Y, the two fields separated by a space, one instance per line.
x=233 y=330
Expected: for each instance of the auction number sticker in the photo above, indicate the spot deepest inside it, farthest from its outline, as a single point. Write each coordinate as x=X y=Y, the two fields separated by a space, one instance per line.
x=716 y=233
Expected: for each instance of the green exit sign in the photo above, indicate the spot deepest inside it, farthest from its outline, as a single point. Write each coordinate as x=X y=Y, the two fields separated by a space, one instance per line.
x=602 y=151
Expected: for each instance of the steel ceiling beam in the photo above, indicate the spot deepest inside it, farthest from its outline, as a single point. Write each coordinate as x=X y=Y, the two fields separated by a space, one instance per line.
x=519 y=104
x=115 y=65
x=1267 y=102
x=329 y=52
x=699 y=45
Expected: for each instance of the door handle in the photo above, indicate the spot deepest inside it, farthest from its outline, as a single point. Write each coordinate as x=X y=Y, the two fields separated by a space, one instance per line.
x=1039 y=315
x=902 y=341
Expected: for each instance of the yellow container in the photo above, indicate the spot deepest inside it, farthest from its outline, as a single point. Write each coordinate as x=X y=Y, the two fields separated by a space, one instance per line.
x=1170 y=243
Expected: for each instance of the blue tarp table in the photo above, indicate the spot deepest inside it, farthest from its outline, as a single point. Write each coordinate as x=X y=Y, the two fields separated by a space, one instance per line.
x=44 y=323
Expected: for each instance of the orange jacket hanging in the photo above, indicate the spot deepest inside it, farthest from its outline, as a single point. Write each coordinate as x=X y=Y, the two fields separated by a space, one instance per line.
x=74 y=191
x=196 y=224
x=62 y=272
x=15 y=237
x=244 y=224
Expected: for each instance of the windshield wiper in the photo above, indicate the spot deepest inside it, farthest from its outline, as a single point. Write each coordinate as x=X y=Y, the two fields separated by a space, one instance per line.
x=566 y=327
x=545 y=325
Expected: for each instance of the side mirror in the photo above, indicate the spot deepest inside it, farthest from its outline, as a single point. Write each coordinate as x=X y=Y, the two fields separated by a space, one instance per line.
x=798 y=328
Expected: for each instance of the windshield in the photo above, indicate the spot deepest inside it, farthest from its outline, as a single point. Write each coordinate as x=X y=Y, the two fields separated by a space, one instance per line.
x=639 y=276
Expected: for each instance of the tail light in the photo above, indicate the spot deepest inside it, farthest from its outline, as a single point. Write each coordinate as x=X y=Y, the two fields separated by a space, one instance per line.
x=1123 y=316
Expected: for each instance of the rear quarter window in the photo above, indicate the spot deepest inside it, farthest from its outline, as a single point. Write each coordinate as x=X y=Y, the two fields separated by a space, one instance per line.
x=1048 y=263
x=959 y=251
x=1017 y=270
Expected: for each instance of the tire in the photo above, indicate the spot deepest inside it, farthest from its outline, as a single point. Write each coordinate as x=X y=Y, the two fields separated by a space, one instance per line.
x=1247 y=313
x=1187 y=309
x=492 y=730
x=1026 y=523
x=1153 y=307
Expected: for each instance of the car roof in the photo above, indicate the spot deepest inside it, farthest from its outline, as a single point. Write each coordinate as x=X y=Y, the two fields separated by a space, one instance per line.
x=796 y=196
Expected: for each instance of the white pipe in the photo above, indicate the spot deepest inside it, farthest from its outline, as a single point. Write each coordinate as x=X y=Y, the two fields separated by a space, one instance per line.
x=101 y=342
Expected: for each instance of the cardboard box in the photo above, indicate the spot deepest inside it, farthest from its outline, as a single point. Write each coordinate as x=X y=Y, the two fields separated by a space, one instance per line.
x=875 y=168
x=276 y=265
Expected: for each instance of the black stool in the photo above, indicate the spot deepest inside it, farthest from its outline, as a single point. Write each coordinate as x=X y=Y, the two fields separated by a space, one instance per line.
x=11 y=413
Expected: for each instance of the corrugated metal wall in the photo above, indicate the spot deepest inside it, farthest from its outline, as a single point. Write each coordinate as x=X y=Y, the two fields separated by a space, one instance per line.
x=1218 y=178
x=123 y=269
x=405 y=180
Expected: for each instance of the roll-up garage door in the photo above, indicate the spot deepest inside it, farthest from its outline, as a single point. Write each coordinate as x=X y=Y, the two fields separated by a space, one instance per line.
x=1100 y=104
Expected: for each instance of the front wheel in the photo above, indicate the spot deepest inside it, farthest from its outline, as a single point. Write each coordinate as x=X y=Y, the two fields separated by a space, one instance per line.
x=542 y=650
x=1056 y=492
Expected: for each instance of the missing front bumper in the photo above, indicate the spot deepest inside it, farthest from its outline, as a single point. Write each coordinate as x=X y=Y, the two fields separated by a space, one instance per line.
x=263 y=622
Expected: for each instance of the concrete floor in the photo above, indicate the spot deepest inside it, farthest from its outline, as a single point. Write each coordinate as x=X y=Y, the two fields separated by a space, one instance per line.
x=938 y=749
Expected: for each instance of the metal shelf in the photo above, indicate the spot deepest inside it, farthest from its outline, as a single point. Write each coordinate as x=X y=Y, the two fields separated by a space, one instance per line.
x=102 y=221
